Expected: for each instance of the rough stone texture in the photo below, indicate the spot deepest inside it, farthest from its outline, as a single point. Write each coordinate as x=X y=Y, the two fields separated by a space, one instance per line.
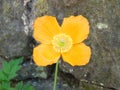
x=103 y=71
x=30 y=70
x=88 y=86
x=48 y=85
x=104 y=39
x=14 y=41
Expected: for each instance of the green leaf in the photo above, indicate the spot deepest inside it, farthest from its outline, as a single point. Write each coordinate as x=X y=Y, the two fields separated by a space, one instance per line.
x=5 y=85
x=28 y=87
x=14 y=67
x=8 y=72
x=21 y=86
x=1 y=88
x=16 y=61
x=10 y=68
x=6 y=67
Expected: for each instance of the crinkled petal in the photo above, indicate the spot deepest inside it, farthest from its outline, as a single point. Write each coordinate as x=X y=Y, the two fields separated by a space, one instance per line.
x=77 y=27
x=78 y=55
x=45 y=28
x=44 y=55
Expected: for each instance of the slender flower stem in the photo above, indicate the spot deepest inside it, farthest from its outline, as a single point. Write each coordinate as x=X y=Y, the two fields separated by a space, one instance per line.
x=55 y=77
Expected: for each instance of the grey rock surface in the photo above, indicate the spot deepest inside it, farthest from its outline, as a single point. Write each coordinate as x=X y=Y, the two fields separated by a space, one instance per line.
x=48 y=85
x=14 y=41
x=30 y=70
x=103 y=71
x=104 y=39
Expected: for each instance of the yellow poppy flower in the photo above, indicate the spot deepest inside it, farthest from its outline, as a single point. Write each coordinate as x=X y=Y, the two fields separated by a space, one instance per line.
x=65 y=41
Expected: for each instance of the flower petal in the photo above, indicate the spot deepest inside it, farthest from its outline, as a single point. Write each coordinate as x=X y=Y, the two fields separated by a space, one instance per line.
x=44 y=55
x=45 y=28
x=77 y=27
x=78 y=55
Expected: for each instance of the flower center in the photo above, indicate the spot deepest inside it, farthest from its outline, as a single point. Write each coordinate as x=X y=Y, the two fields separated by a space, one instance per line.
x=62 y=43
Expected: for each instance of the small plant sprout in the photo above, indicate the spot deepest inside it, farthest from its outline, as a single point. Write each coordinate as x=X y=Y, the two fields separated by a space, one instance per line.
x=8 y=72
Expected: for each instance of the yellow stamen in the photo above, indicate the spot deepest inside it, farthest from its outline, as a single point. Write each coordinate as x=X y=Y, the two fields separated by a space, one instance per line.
x=62 y=43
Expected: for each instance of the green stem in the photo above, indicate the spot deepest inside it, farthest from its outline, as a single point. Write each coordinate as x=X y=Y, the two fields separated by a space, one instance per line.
x=55 y=77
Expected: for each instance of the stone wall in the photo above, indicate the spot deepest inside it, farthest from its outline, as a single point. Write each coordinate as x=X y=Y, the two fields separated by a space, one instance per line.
x=103 y=71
